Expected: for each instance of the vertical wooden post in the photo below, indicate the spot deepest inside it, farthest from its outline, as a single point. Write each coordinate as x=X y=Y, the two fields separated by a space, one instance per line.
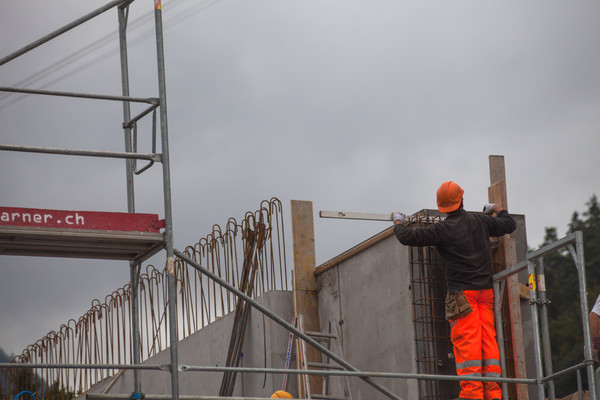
x=508 y=253
x=305 y=282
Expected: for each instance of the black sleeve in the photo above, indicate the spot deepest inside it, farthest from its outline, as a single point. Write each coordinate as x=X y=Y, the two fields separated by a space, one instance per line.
x=418 y=236
x=502 y=224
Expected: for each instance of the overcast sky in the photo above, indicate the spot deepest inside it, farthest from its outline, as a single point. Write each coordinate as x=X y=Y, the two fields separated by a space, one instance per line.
x=354 y=105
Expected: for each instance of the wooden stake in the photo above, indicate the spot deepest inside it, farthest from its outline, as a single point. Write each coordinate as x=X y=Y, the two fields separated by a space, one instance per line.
x=507 y=250
x=305 y=283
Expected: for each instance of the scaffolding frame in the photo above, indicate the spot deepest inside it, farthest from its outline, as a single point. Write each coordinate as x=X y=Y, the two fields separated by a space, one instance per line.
x=130 y=155
x=534 y=264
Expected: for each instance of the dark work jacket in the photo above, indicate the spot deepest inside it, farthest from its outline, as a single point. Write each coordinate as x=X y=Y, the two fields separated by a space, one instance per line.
x=463 y=241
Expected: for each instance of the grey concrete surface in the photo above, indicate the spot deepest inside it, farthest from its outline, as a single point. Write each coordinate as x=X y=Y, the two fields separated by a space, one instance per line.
x=369 y=296
x=265 y=345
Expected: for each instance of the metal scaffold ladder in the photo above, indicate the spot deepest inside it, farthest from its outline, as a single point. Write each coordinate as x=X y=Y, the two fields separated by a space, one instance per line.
x=331 y=341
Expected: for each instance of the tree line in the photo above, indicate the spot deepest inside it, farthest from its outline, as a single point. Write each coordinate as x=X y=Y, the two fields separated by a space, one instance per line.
x=565 y=319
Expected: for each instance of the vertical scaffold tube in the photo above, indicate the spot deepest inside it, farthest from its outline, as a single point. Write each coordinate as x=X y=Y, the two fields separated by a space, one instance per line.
x=134 y=275
x=545 y=328
x=579 y=260
x=167 y=200
x=123 y=13
x=500 y=333
x=535 y=322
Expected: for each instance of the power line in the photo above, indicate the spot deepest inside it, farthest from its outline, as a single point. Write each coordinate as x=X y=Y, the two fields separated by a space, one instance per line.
x=103 y=42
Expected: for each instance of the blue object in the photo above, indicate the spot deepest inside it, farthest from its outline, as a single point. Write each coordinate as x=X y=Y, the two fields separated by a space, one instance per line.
x=23 y=392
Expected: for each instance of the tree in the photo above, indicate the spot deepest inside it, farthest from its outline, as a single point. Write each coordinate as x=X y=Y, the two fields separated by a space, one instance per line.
x=25 y=379
x=58 y=392
x=562 y=285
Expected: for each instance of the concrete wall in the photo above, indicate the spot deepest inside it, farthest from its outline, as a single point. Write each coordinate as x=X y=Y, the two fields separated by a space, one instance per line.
x=369 y=294
x=265 y=345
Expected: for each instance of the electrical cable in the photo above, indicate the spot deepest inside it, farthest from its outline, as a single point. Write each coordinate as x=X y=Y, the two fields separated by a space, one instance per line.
x=102 y=42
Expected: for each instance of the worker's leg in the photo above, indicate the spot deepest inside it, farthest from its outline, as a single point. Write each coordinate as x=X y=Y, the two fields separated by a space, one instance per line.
x=489 y=345
x=466 y=339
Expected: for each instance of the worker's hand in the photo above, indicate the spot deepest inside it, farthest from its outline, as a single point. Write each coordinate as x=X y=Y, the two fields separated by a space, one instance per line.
x=398 y=218
x=488 y=209
x=492 y=208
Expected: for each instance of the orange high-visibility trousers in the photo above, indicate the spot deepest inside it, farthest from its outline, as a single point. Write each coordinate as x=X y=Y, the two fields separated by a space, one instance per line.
x=475 y=348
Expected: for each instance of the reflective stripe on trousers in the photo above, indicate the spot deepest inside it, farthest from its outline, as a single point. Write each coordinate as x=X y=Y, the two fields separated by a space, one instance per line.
x=475 y=348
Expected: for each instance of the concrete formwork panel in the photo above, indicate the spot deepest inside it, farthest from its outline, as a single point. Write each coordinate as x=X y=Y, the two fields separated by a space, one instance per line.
x=369 y=294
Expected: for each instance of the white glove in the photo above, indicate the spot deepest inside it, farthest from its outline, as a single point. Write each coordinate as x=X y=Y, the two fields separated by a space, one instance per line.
x=398 y=216
x=488 y=209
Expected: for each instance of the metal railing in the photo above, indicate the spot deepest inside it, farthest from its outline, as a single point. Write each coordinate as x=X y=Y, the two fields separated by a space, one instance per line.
x=534 y=264
x=65 y=348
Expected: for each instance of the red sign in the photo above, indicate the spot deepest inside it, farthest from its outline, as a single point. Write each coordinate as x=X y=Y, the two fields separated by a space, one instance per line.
x=97 y=220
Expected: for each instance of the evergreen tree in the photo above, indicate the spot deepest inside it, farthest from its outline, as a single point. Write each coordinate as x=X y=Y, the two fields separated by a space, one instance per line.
x=58 y=392
x=565 y=319
x=26 y=379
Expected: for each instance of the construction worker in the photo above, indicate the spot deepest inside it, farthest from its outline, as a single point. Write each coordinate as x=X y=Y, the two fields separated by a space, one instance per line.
x=462 y=240
x=595 y=328
x=281 y=394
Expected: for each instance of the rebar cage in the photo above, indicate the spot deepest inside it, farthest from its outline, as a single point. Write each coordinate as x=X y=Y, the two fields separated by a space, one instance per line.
x=432 y=332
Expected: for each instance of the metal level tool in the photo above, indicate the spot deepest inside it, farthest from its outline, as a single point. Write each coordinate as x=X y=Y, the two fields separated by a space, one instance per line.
x=355 y=215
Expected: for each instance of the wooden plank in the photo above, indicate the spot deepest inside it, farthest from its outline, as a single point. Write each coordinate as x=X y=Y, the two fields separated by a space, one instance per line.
x=524 y=292
x=514 y=301
x=63 y=219
x=497 y=168
x=507 y=249
x=78 y=243
x=305 y=282
x=303 y=246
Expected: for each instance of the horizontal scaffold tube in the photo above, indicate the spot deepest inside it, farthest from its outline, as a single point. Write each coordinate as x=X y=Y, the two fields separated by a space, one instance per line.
x=149 y=100
x=86 y=153
x=358 y=374
x=93 y=396
x=19 y=365
x=62 y=30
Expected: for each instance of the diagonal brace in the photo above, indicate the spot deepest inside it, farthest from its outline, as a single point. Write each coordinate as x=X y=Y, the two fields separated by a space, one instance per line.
x=284 y=323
